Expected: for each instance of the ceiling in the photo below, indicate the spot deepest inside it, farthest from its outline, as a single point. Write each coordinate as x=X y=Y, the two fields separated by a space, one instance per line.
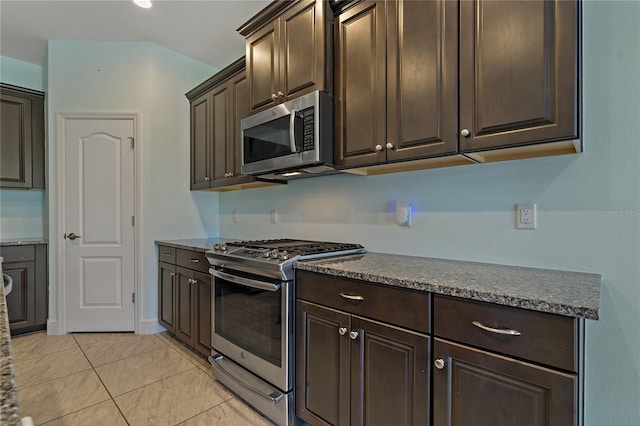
x=204 y=30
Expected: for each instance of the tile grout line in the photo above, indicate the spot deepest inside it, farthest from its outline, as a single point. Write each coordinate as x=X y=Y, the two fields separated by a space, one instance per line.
x=101 y=382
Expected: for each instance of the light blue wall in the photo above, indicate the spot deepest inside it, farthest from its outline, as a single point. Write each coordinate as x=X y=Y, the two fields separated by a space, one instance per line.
x=588 y=210
x=124 y=77
x=21 y=211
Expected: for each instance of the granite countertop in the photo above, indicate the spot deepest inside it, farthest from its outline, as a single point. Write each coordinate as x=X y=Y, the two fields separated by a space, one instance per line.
x=573 y=294
x=9 y=412
x=6 y=242
x=196 y=244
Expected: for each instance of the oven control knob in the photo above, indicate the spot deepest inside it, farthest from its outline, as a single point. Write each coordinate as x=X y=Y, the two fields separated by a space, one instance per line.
x=223 y=247
x=283 y=255
x=266 y=253
x=274 y=253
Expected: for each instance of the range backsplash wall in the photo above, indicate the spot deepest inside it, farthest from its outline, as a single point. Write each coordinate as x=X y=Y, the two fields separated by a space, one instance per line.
x=588 y=210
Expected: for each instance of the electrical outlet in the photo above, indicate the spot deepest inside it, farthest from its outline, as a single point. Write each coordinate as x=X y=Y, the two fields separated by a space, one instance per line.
x=234 y=216
x=526 y=216
x=274 y=215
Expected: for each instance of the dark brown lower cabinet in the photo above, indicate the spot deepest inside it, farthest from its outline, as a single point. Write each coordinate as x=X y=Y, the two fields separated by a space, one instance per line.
x=356 y=371
x=27 y=302
x=474 y=387
x=184 y=297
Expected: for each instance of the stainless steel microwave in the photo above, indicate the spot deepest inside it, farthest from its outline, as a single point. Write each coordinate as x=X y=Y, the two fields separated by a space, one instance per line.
x=292 y=139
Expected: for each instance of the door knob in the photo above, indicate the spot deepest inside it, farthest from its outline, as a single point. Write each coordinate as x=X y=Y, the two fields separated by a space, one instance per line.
x=71 y=236
x=439 y=363
x=390 y=145
x=280 y=94
x=353 y=335
x=465 y=133
x=274 y=96
x=342 y=331
x=378 y=148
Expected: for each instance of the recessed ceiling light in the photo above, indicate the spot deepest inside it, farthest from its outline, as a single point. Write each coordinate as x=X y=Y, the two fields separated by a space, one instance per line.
x=143 y=3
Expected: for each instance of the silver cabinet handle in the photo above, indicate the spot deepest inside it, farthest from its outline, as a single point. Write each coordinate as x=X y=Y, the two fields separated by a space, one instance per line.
x=506 y=331
x=173 y=274
x=439 y=363
x=352 y=296
x=342 y=331
x=167 y=254
x=71 y=236
x=274 y=96
x=194 y=281
x=465 y=133
x=280 y=94
x=207 y=178
x=195 y=261
x=390 y=145
x=378 y=148
x=353 y=335
x=190 y=281
x=274 y=397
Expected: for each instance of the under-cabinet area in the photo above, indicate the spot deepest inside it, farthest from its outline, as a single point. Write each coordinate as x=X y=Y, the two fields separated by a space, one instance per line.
x=27 y=303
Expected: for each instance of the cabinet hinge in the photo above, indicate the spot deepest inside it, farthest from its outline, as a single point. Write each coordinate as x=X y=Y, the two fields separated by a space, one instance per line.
x=133 y=298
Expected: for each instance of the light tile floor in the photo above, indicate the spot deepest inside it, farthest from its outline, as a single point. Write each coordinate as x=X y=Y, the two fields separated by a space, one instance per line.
x=121 y=379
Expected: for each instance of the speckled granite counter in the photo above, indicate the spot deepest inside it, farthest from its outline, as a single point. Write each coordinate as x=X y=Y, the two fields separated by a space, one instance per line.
x=573 y=294
x=9 y=413
x=197 y=244
x=6 y=242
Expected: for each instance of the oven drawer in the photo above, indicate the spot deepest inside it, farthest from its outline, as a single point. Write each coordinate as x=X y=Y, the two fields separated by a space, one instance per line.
x=192 y=260
x=393 y=305
x=544 y=338
x=167 y=254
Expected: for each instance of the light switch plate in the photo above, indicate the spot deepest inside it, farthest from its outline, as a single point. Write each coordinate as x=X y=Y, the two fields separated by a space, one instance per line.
x=403 y=213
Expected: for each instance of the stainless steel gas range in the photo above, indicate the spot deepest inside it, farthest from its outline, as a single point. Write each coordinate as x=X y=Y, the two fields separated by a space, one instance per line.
x=253 y=318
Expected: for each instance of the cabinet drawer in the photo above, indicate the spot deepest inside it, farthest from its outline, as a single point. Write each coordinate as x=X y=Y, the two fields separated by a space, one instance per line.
x=192 y=260
x=405 y=308
x=167 y=254
x=18 y=253
x=544 y=338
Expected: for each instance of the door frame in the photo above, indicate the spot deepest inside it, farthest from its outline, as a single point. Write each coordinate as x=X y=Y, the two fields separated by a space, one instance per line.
x=54 y=234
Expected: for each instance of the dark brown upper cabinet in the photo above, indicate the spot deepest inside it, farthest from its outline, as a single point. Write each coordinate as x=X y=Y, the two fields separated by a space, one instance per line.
x=217 y=106
x=22 y=138
x=396 y=67
x=518 y=73
x=288 y=51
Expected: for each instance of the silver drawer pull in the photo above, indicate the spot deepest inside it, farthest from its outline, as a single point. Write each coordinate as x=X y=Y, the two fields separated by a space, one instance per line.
x=506 y=331
x=195 y=261
x=352 y=296
x=167 y=254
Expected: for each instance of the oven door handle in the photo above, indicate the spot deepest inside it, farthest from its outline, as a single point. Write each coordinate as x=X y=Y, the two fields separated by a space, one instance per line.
x=261 y=285
x=274 y=397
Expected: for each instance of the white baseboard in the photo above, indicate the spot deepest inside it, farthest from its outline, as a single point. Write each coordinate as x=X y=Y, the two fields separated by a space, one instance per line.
x=149 y=327
x=52 y=328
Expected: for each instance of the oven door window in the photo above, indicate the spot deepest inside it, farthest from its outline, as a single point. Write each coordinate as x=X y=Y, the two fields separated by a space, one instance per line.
x=272 y=139
x=250 y=318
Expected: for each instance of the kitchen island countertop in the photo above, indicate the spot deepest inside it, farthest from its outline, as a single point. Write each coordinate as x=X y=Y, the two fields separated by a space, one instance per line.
x=573 y=294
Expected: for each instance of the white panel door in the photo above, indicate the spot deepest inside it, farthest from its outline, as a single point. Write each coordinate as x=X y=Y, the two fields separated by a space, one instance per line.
x=99 y=209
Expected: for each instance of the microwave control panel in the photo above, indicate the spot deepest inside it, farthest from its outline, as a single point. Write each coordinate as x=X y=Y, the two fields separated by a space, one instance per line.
x=307 y=129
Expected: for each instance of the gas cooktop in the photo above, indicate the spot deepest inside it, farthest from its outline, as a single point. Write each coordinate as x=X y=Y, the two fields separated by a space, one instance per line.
x=276 y=254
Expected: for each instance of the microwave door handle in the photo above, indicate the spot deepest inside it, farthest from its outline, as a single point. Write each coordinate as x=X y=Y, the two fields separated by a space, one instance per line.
x=245 y=281
x=292 y=131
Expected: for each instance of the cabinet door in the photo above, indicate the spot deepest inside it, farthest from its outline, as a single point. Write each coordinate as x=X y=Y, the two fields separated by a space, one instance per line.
x=240 y=110
x=166 y=296
x=201 y=142
x=389 y=375
x=15 y=142
x=263 y=66
x=302 y=49
x=202 y=304
x=518 y=72
x=220 y=131
x=322 y=365
x=360 y=93
x=422 y=83
x=185 y=319
x=21 y=300
x=483 y=389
